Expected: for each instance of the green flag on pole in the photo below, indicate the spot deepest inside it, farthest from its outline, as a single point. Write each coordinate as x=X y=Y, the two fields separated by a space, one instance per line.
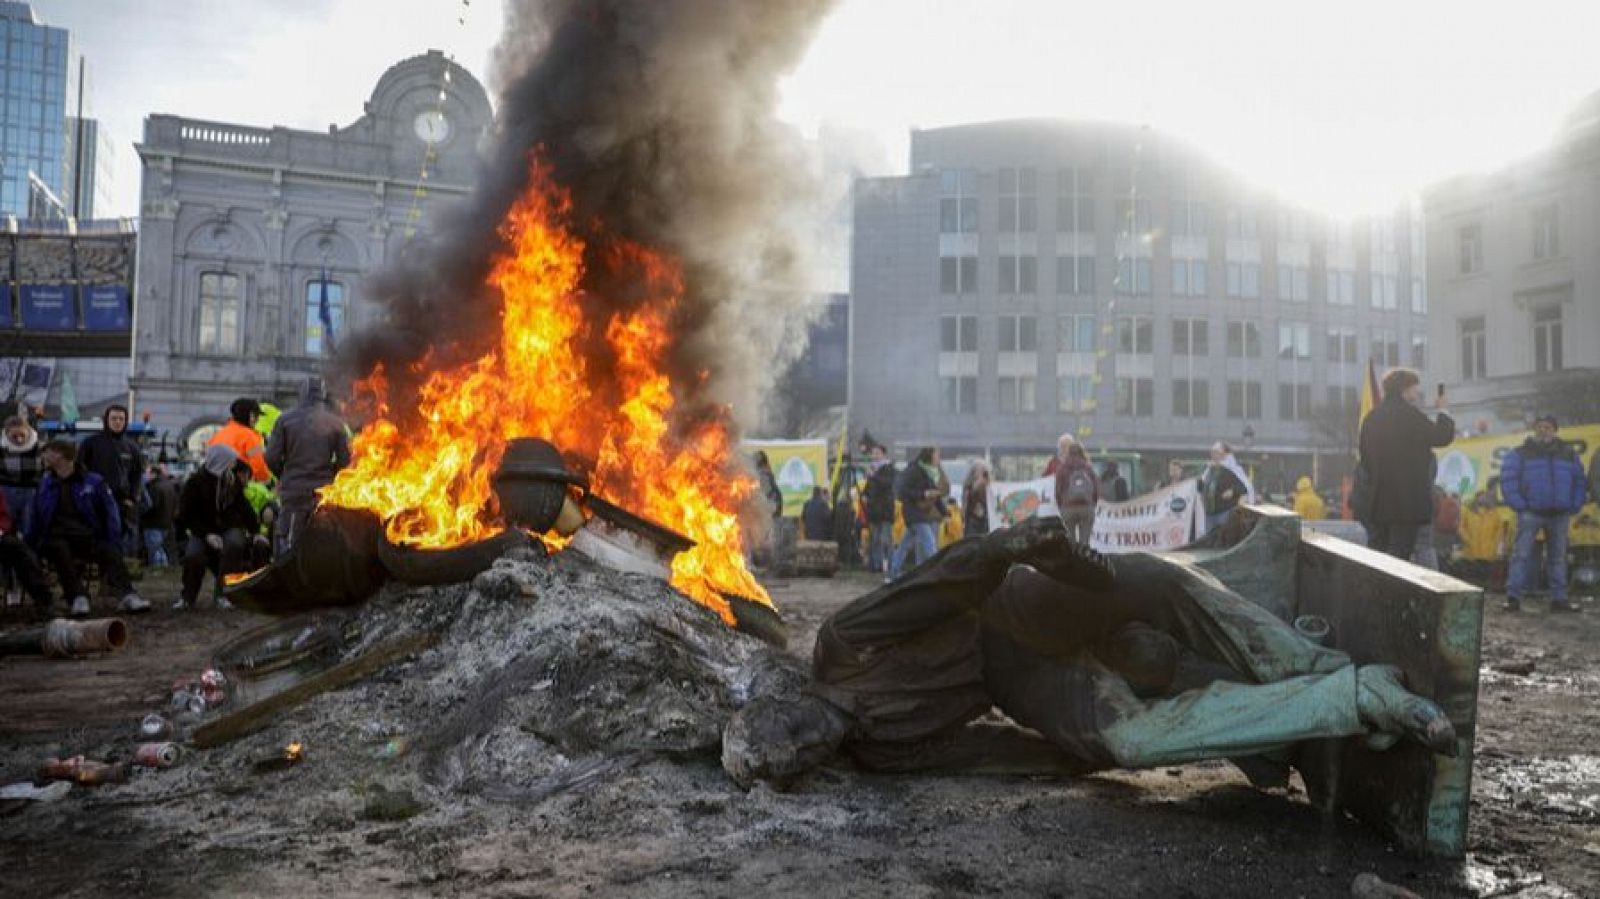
x=69 y=400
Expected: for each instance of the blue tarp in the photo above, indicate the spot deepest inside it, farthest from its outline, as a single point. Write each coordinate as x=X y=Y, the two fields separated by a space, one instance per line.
x=49 y=307
x=105 y=307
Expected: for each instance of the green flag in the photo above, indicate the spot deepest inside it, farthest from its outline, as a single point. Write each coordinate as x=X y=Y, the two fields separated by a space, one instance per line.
x=69 y=400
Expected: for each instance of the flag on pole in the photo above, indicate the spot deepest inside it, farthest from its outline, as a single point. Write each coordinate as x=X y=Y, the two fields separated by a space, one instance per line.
x=69 y=400
x=1371 y=393
x=325 y=315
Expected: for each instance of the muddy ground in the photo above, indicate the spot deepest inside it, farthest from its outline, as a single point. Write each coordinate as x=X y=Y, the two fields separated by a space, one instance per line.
x=351 y=820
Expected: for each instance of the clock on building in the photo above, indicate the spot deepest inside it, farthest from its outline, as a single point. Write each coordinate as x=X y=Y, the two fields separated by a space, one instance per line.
x=432 y=126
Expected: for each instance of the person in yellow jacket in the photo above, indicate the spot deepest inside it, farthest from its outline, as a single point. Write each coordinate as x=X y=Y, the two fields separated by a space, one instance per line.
x=1307 y=504
x=240 y=435
x=1483 y=538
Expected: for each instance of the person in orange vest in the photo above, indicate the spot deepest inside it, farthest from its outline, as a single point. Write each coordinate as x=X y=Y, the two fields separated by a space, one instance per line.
x=240 y=435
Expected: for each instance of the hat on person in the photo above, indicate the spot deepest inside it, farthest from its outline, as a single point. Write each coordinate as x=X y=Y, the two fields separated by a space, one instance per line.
x=1547 y=417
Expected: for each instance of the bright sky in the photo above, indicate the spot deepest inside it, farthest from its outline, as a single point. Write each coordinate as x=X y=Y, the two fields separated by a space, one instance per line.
x=1347 y=105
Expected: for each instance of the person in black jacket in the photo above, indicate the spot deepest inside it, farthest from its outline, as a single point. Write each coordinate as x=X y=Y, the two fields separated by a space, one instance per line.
x=220 y=522
x=156 y=514
x=816 y=518
x=307 y=448
x=1397 y=443
x=1114 y=484
x=114 y=456
x=880 y=510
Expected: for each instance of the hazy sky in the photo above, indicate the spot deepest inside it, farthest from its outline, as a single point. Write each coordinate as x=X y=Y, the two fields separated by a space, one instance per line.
x=1346 y=104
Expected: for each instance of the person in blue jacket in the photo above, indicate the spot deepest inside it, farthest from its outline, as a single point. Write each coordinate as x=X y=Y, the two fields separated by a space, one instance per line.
x=1543 y=481
x=76 y=518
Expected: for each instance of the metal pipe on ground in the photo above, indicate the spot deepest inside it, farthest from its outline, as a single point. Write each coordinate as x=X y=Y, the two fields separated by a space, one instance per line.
x=63 y=639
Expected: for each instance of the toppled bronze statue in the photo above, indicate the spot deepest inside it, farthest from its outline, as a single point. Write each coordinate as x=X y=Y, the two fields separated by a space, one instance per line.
x=1143 y=662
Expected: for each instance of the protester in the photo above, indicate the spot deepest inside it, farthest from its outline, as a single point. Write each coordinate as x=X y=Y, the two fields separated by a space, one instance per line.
x=19 y=479
x=20 y=560
x=1113 y=483
x=76 y=519
x=308 y=447
x=1483 y=540
x=1544 y=482
x=1224 y=486
x=115 y=456
x=1077 y=492
x=880 y=510
x=975 y=500
x=816 y=517
x=220 y=521
x=157 y=511
x=1307 y=504
x=921 y=489
x=1446 y=522
x=1397 y=442
x=1063 y=443
x=240 y=435
x=1174 y=475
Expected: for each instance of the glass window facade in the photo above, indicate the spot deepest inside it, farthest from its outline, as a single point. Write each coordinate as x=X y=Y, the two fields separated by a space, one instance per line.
x=37 y=81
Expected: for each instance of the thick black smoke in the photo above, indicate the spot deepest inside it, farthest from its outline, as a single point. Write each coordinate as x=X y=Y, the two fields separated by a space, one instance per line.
x=658 y=116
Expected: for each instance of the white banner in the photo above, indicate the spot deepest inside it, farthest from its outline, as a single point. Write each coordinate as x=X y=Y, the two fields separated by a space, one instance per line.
x=1166 y=519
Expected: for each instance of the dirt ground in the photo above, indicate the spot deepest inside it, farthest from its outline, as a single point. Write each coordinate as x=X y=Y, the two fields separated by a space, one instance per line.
x=348 y=822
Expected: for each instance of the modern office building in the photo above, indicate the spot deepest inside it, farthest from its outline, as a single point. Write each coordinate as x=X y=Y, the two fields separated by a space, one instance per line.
x=39 y=86
x=92 y=194
x=1030 y=278
x=1515 y=275
x=248 y=233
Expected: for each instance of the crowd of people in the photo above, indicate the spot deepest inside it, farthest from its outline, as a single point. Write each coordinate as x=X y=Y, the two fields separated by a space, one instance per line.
x=84 y=510
x=1513 y=535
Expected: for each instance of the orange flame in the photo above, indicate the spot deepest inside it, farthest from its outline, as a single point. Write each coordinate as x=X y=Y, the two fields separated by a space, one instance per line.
x=608 y=400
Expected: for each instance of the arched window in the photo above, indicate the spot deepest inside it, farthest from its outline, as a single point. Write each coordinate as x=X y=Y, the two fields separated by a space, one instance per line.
x=316 y=340
x=219 y=313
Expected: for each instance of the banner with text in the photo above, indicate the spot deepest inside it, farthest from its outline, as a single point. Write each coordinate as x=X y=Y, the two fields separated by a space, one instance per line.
x=1165 y=519
x=49 y=307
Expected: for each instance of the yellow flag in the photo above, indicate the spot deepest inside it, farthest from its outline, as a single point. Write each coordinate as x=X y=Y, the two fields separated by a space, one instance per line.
x=1371 y=394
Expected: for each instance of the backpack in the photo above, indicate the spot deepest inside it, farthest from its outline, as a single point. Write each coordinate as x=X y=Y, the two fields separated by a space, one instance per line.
x=1080 y=487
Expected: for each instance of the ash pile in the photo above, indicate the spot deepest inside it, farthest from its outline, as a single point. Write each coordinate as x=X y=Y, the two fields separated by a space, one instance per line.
x=497 y=669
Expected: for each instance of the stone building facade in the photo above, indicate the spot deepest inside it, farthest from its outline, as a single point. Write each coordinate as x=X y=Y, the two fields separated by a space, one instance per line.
x=242 y=227
x=1516 y=283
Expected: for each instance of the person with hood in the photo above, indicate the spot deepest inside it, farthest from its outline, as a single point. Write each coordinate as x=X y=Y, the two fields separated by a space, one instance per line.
x=1397 y=441
x=116 y=457
x=975 y=500
x=20 y=468
x=240 y=435
x=1224 y=486
x=1077 y=493
x=880 y=510
x=308 y=447
x=1544 y=482
x=1483 y=539
x=19 y=478
x=76 y=519
x=921 y=489
x=1307 y=504
x=220 y=521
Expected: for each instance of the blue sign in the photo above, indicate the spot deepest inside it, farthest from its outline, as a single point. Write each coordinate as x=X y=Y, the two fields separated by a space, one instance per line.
x=49 y=307
x=105 y=307
x=5 y=305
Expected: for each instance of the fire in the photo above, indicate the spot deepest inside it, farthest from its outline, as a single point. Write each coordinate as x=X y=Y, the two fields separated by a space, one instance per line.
x=596 y=389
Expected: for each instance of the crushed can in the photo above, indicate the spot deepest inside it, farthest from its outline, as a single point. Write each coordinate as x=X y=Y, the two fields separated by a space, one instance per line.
x=157 y=755
x=92 y=773
x=155 y=727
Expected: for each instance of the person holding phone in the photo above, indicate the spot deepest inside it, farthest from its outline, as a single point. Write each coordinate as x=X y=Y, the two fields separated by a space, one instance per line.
x=1397 y=443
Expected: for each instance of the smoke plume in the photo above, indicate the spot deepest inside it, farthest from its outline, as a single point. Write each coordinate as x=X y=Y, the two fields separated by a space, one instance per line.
x=658 y=116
